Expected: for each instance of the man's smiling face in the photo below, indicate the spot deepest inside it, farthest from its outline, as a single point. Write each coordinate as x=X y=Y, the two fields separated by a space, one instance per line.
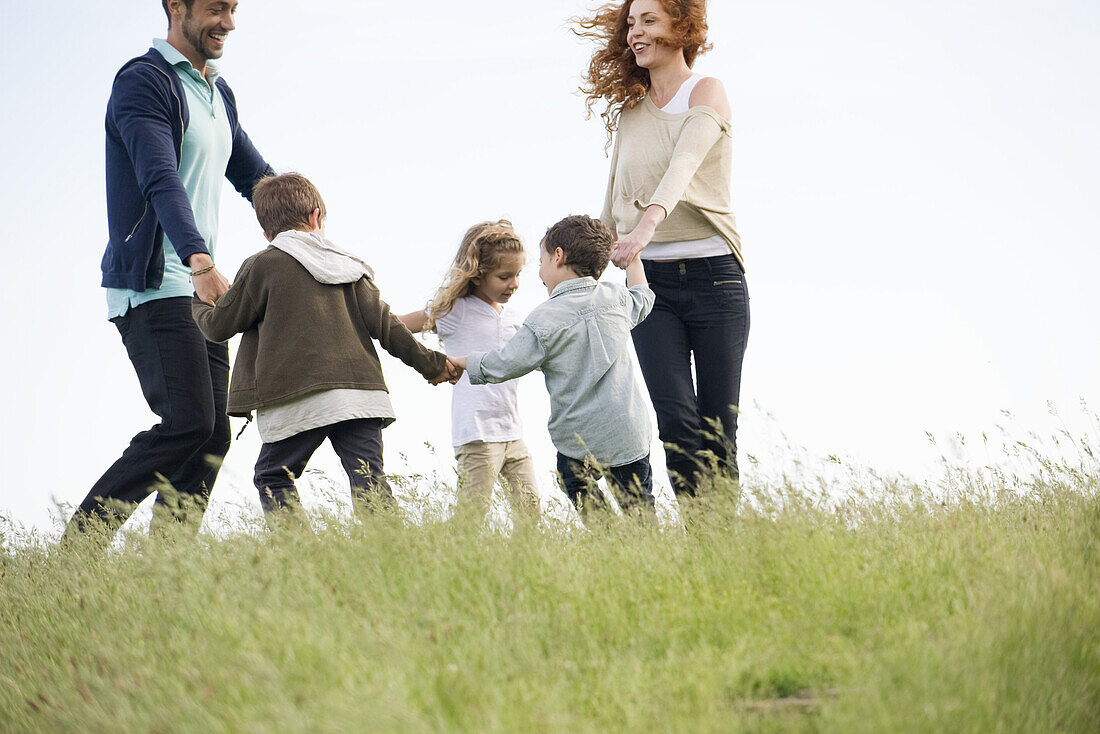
x=206 y=24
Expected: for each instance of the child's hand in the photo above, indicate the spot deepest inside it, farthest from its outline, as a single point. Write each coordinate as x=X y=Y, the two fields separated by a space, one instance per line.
x=453 y=364
x=628 y=246
x=451 y=373
x=210 y=285
x=617 y=260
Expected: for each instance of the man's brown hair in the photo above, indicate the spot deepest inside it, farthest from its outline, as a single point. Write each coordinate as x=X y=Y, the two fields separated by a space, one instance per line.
x=164 y=4
x=285 y=202
x=585 y=241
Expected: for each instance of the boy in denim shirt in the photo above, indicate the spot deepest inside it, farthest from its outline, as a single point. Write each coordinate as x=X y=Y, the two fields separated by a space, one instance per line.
x=579 y=339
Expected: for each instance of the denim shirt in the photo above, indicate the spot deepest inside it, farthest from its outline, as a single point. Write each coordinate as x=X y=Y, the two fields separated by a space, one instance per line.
x=580 y=338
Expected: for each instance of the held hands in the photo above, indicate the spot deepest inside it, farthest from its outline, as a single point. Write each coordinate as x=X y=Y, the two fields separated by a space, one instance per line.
x=451 y=372
x=628 y=247
x=210 y=285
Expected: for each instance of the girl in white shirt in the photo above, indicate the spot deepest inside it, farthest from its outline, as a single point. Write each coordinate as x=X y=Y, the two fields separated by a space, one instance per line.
x=468 y=313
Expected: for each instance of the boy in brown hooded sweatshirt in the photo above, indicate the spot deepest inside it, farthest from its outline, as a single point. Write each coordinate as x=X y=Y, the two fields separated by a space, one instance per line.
x=309 y=313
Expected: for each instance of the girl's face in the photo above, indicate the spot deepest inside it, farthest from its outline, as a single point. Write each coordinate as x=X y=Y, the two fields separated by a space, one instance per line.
x=646 y=22
x=498 y=285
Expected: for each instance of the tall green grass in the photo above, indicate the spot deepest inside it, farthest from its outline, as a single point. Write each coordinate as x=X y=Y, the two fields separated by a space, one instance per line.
x=975 y=608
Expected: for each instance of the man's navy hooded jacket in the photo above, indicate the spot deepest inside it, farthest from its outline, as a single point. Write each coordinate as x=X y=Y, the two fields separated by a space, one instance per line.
x=146 y=118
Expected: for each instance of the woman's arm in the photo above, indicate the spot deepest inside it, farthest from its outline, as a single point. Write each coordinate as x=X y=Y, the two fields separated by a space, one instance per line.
x=606 y=217
x=696 y=139
x=628 y=247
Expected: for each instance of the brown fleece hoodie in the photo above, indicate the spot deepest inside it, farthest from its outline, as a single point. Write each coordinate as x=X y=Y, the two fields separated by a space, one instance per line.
x=301 y=336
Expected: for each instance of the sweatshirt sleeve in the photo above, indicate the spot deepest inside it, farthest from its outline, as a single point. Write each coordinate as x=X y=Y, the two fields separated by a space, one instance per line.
x=144 y=117
x=607 y=217
x=522 y=354
x=237 y=311
x=394 y=337
x=698 y=135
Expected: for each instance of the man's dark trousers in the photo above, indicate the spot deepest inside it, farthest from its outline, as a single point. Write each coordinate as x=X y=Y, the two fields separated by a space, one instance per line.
x=185 y=380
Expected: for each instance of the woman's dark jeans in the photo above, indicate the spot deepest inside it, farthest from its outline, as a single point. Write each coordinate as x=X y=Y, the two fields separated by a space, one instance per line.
x=701 y=310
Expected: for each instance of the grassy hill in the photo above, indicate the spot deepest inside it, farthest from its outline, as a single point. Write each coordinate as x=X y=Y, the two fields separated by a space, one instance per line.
x=974 y=609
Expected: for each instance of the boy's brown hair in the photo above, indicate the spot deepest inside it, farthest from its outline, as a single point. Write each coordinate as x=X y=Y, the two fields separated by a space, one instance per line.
x=285 y=202
x=585 y=241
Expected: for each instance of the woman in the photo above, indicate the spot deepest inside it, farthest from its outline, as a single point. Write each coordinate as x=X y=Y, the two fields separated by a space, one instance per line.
x=668 y=200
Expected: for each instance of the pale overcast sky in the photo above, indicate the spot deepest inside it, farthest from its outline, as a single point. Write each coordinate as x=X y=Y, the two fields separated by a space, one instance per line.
x=916 y=185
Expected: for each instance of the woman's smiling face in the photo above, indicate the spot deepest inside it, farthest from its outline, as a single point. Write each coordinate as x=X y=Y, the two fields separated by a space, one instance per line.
x=647 y=22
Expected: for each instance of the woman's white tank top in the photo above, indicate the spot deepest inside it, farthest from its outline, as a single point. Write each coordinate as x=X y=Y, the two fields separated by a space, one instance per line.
x=680 y=101
x=709 y=247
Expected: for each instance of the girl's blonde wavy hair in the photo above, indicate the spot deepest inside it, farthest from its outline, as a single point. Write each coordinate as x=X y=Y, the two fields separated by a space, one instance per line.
x=480 y=253
x=613 y=75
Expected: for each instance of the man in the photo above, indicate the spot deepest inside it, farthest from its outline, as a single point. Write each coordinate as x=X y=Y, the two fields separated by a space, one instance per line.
x=172 y=134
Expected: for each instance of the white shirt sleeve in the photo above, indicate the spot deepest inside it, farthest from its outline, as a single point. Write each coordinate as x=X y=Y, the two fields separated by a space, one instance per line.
x=448 y=324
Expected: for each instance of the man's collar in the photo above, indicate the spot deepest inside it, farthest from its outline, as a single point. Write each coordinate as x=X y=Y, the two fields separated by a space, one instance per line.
x=173 y=56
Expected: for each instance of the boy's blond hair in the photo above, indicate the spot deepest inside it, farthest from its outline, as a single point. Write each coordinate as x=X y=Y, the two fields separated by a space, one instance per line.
x=285 y=202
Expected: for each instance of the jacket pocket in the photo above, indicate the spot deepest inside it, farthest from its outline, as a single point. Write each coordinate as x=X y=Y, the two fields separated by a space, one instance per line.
x=138 y=222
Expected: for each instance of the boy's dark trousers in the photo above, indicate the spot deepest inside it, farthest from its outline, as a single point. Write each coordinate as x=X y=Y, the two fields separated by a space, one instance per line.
x=357 y=442
x=185 y=380
x=632 y=484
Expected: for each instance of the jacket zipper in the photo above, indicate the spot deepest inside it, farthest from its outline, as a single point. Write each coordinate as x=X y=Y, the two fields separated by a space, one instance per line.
x=138 y=223
x=179 y=153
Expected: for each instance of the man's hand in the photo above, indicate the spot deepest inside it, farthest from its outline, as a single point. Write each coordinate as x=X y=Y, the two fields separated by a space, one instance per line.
x=451 y=372
x=211 y=285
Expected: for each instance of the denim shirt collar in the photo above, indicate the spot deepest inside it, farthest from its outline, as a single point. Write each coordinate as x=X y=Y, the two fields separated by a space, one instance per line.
x=573 y=284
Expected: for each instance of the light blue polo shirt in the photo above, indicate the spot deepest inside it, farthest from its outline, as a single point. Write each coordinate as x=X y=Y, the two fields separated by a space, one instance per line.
x=207 y=145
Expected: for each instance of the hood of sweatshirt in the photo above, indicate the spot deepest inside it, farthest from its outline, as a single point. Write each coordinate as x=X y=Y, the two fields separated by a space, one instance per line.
x=326 y=262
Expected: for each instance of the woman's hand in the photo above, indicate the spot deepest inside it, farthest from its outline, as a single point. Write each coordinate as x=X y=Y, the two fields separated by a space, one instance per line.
x=628 y=247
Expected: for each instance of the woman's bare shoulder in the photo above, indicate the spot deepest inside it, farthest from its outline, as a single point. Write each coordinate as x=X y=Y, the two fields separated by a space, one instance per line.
x=710 y=92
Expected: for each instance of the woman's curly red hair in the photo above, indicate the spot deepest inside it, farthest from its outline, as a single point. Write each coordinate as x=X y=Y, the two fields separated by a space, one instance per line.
x=613 y=74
